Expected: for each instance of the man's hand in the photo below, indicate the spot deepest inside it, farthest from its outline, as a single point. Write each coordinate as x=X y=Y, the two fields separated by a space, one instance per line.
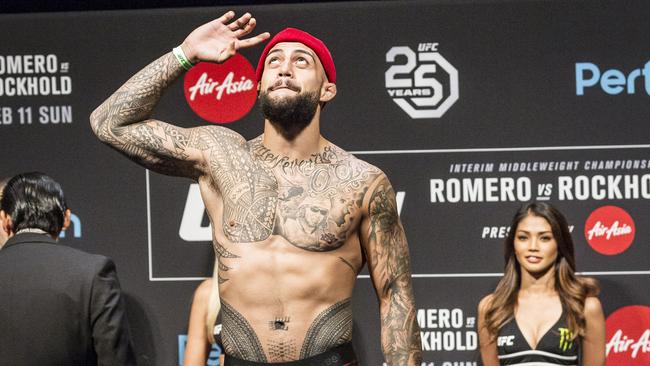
x=220 y=39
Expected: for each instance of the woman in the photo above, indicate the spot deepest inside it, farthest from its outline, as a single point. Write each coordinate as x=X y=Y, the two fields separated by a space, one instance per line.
x=540 y=313
x=202 y=331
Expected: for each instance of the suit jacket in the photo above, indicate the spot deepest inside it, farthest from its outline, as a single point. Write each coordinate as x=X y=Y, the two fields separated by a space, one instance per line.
x=59 y=306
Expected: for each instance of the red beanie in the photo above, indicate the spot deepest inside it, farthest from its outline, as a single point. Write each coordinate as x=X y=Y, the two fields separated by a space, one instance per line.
x=296 y=35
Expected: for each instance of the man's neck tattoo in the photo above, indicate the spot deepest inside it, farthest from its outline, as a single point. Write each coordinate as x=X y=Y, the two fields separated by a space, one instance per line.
x=288 y=165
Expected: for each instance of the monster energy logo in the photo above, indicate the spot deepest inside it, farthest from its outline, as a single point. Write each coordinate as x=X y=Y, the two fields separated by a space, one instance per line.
x=565 y=339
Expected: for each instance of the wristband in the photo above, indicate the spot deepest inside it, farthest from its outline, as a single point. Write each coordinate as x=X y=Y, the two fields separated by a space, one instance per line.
x=182 y=59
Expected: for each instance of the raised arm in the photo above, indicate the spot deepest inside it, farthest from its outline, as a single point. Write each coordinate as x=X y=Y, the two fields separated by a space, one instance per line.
x=123 y=120
x=384 y=243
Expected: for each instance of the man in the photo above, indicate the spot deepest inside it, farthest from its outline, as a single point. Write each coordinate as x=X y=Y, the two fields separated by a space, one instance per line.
x=285 y=282
x=58 y=305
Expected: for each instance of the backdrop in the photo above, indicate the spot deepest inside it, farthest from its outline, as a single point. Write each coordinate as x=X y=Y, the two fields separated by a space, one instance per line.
x=471 y=107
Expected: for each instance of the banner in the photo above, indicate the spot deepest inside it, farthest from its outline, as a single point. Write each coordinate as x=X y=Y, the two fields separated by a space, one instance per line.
x=471 y=108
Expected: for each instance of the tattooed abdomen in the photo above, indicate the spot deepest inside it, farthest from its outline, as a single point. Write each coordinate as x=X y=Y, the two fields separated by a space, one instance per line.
x=238 y=337
x=332 y=327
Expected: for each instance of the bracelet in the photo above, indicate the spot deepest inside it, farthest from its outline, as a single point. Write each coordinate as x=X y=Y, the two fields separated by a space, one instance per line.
x=182 y=59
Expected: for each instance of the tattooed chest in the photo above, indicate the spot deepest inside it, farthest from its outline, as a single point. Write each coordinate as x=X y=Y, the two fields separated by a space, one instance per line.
x=315 y=219
x=315 y=222
x=316 y=212
x=250 y=197
x=314 y=204
x=319 y=205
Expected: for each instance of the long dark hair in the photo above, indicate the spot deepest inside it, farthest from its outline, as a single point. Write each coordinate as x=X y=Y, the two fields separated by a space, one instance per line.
x=571 y=289
x=34 y=201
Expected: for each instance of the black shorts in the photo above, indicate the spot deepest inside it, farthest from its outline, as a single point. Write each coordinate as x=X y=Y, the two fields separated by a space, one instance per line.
x=342 y=355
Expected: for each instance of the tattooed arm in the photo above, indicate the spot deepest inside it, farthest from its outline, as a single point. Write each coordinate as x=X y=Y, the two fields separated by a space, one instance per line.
x=387 y=253
x=123 y=120
x=123 y=123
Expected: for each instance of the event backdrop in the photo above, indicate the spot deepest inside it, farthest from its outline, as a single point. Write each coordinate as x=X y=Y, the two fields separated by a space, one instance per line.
x=471 y=107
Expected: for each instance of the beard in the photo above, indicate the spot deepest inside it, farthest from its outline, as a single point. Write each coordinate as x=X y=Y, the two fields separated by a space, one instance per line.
x=290 y=115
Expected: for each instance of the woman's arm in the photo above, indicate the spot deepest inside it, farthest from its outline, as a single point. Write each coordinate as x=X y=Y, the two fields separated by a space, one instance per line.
x=197 y=348
x=593 y=343
x=487 y=341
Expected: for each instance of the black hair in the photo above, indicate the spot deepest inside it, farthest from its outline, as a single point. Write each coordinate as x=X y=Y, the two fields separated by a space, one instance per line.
x=34 y=201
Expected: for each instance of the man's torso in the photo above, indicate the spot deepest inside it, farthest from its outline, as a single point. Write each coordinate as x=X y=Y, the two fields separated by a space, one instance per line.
x=286 y=234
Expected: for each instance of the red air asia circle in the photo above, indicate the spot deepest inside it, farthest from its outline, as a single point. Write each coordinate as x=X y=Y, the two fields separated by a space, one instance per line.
x=628 y=336
x=221 y=93
x=609 y=230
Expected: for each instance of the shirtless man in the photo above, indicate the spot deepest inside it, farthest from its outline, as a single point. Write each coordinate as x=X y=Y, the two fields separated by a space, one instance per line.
x=294 y=217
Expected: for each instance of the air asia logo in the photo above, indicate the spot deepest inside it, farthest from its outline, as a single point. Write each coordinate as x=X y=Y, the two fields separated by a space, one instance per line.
x=221 y=93
x=609 y=230
x=628 y=336
x=423 y=84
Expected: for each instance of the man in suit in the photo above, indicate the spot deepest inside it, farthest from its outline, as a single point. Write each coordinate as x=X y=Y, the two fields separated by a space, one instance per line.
x=58 y=305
